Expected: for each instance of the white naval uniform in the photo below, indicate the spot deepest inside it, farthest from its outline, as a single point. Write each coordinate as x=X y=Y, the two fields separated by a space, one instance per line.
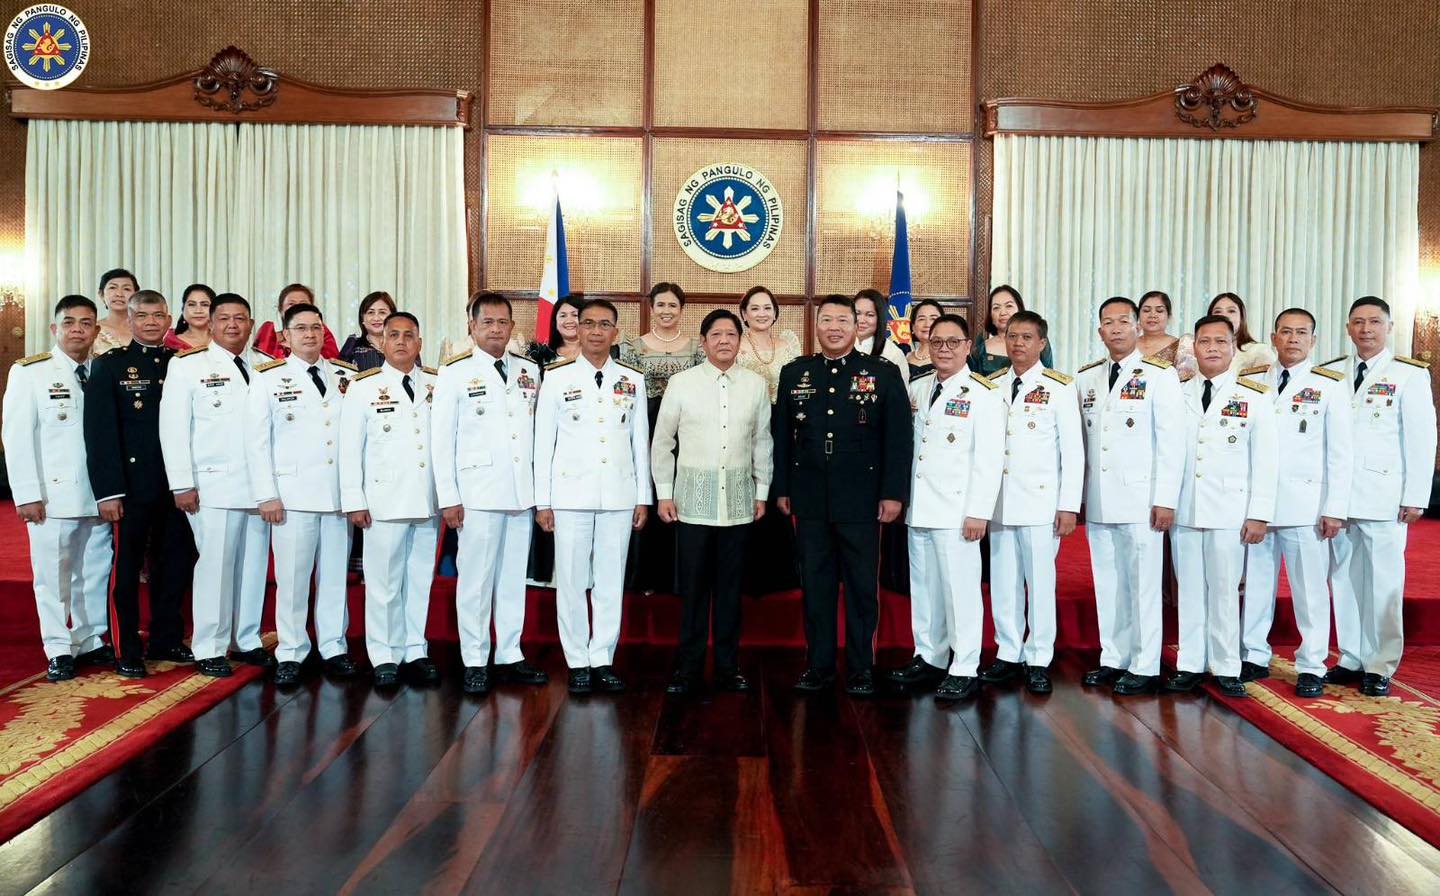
x=955 y=474
x=1313 y=431
x=385 y=468
x=592 y=467
x=1133 y=459
x=294 y=455
x=1394 y=429
x=1230 y=469
x=70 y=552
x=1044 y=474
x=203 y=440
x=483 y=447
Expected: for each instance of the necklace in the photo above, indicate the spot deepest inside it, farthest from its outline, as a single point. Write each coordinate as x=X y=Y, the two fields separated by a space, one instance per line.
x=756 y=349
x=672 y=340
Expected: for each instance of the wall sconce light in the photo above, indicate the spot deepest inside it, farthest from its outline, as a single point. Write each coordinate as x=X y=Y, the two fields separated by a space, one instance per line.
x=581 y=193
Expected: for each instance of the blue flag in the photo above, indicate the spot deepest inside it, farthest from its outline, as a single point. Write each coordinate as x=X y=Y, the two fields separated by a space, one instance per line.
x=899 y=311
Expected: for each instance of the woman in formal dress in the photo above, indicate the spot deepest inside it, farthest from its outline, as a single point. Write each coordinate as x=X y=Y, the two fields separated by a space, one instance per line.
x=193 y=328
x=270 y=339
x=363 y=347
x=870 y=307
x=1155 y=339
x=989 y=354
x=660 y=353
x=563 y=342
x=1248 y=351
x=116 y=288
x=765 y=349
x=923 y=314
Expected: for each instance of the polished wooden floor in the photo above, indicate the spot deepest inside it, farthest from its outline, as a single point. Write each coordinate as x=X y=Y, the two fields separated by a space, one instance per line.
x=338 y=788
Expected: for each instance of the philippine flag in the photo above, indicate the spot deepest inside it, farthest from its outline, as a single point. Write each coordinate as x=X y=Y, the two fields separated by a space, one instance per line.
x=555 y=278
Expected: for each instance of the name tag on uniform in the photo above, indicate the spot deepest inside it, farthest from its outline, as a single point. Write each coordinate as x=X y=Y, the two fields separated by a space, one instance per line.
x=475 y=388
x=287 y=396
x=574 y=395
x=60 y=391
x=1235 y=408
x=386 y=410
x=1089 y=400
x=957 y=407
x=1038 y=395
x=801 y=394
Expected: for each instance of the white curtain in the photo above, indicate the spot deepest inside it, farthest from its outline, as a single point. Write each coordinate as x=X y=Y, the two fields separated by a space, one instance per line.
x=1281 y=224
x=248 y=209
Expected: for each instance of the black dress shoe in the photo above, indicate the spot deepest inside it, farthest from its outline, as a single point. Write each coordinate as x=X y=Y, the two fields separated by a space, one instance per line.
x=1104 y=676
x=287 y=674
x=1183 y=682
x=422 y=671
x=60 y=668
x=1253 y=671
x=176 y=654
x=957 y=687
x=258 y=656
x=1231 y=686
x=1037 y=680
x=916 y=673
x=387 y=675
x=814 y=680
x=1375 y=685
x=861 y=684
x=1001 y=670
x=103 y=655
x=1131 y=684
x=130 y=668
x=733 y=682
x=579 y=681
x=1338 y=674
x=520 y=673
x=681 y=684
x=1308 y=684
x=215 y=667
x=476 y=681
x=340 y=665
x=603 y=678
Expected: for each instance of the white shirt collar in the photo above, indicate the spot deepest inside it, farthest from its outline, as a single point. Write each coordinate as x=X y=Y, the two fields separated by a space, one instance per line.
x=1385 y=355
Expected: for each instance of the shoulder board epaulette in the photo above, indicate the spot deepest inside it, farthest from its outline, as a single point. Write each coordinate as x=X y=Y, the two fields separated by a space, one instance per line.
x=1156 y=362
x=999 y=373
x=429 y=370
x=1339 y=360
x=1255 y=370
x=33 y=359
x=556 y=365
x=264 y=354
x=458 y=356
x=1090 y=365
x=1251 y=384
x=344 y=364
x=191 y=351
x=980 y=379
x=269 y=365
x=522 y=357
x=920 y=376
x=1329 y=374
x=360 y=376
x=1064 y=379
x=628 y=366
x=1413 y=362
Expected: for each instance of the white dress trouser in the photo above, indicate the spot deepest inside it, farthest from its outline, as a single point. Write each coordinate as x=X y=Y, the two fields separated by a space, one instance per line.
x=949 y=589
x=228 y=590
x=494 y=549
x=928 y=602
x=1367 y=576
x=1307 y=564
x=1127 y=560
x=590 y=543
x=399 y=566
x=70 y=561
x=307 y=544
x=1021 y=557
x=1208 y=565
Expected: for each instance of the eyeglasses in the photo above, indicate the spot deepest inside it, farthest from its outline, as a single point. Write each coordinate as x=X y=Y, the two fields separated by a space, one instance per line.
x=306 y=328
x=948 y=344
x=600 y=324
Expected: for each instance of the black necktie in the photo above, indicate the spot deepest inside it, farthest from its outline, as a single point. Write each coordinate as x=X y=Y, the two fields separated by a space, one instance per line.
x=1015 y=389
x=599 y=378
x=1284 y=381
x=81 y=375
x=500 y=368
x=1205 y=396
x=935 y=395
x=240 y=363
x=319 y=382
x=409 y=390
x=1360 y=374
x=1114 y=373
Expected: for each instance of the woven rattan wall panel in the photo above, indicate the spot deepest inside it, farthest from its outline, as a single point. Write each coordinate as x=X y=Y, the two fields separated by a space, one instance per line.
x=600 y=192
x=558 y=62
x=856 y=210
x=782 y=161
x=709 y=75
x=895 y=65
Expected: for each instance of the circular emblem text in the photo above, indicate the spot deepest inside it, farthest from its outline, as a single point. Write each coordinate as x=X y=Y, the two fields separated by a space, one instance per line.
x=46 y=46
x=728 y=217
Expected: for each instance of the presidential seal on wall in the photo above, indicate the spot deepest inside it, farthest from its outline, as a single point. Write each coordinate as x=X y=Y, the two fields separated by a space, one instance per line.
x=728 y=217
x=46 y=46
